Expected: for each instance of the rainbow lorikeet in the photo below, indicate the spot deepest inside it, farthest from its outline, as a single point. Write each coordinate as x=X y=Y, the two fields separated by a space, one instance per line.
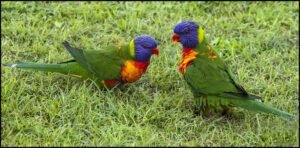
x=108 y=66
x=212 y=83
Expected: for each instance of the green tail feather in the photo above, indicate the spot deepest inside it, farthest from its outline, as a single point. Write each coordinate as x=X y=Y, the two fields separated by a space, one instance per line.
x=258 y=106
x=72 y=68
x=250 y=104
x=40 y=67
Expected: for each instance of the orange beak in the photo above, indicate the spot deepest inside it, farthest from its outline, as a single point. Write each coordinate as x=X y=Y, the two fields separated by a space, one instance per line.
x=176 y=38
x=155 y=51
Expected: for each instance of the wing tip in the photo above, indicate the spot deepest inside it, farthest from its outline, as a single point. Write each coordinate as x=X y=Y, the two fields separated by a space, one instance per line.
x=9 y=65
x=66 y=44
x=256 y=97
x=289 y=116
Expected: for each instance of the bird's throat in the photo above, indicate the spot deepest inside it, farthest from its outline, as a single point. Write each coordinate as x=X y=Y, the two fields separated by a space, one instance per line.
x=188 y=54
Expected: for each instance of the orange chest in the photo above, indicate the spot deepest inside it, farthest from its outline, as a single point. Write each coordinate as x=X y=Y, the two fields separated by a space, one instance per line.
x=187 y=58
x=133 y=70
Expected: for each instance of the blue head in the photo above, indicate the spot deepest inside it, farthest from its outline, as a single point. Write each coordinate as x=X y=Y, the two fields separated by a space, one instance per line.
x=187 y=34
x=144 y=46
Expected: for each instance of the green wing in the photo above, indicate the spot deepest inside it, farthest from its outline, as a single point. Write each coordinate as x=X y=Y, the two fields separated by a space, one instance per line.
x=105 y=63
x=211 y=76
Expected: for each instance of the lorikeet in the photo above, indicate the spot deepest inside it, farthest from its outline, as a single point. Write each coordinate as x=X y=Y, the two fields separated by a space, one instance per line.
x=212 y=83
x=108 y=66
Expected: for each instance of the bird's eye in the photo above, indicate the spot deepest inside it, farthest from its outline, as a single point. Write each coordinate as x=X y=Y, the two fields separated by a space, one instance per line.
x=186 y=32
x=144 y=46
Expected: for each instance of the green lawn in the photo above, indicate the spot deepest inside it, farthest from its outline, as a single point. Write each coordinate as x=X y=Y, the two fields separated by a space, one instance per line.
x=259 y=41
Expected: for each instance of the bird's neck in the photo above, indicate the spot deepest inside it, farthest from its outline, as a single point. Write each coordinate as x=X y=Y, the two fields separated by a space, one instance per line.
x=189 y=54
x=202 y=45
x=125 y=51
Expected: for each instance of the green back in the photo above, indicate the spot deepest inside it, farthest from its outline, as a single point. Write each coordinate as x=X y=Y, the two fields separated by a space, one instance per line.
x=210 y=76
x=107 y=62
x=104 y=64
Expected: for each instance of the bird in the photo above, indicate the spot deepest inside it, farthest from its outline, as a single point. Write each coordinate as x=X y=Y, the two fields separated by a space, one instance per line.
x=108 y=66
x=212 y=84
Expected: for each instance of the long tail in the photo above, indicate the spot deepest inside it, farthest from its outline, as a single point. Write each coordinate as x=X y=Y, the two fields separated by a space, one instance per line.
x=255 y=105
x=250 y=104
x=65 y=68
x=41 y=67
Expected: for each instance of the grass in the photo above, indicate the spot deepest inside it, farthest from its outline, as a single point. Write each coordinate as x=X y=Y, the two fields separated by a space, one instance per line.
x=258 y=40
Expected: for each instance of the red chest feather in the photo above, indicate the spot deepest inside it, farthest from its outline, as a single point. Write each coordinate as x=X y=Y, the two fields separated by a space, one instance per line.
x=133 y=70
x=188 y=54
